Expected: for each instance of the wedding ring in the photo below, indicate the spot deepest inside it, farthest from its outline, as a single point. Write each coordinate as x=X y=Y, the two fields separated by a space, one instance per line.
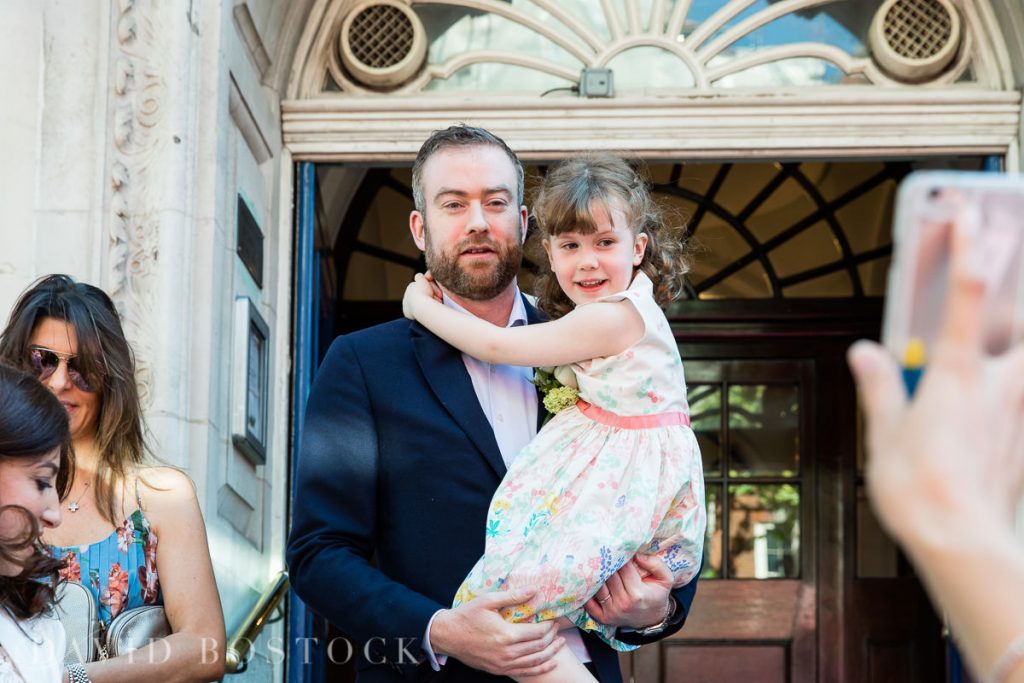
x=606 y=599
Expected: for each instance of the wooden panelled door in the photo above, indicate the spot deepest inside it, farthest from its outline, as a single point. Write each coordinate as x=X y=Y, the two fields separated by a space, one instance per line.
x=755 y=614
x=799 y=583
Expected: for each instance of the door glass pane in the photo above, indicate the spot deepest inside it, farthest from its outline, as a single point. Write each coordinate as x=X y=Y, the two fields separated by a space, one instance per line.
x=842 y=24
x=764 y=430
x=650 y=67
x=713 y=538
x=877 y=555
x=453 y=31
x=706 y=420
x=862 y=456
x=764 y=531
x=583 y=11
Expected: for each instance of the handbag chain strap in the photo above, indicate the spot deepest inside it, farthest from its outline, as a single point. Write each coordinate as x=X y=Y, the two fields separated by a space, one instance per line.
x=101 y=642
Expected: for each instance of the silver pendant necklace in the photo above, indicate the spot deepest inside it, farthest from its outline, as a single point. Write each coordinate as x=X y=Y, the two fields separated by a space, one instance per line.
x=73 y=506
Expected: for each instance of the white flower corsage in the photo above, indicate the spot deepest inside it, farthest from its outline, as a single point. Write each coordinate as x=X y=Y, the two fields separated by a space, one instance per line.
x=559 y=386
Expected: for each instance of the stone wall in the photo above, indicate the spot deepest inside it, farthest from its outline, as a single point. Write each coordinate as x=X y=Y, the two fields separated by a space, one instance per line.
x=130 y=129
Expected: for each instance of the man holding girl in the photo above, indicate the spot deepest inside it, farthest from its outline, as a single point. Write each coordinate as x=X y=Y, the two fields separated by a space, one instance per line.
x=406 y=440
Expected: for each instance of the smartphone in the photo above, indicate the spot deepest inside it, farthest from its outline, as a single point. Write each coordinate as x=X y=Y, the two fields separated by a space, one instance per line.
x=926 y=205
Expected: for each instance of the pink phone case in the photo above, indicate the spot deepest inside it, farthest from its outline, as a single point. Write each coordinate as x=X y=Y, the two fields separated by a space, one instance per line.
x=919 y=274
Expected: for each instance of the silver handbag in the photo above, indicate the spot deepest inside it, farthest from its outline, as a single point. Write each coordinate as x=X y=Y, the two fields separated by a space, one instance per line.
x=76 y=609
x=135 y=628
x=130 y=630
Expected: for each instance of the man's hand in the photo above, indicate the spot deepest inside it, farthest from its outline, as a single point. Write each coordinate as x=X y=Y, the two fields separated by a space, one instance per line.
x=476 y=634
x=636 y=596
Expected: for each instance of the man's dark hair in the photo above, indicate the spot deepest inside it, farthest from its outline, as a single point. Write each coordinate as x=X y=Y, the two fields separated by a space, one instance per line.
x=460 y=136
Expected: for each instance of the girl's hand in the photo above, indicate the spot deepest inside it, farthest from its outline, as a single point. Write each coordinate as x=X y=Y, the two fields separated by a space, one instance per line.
x=436 y=288
x=420 y=289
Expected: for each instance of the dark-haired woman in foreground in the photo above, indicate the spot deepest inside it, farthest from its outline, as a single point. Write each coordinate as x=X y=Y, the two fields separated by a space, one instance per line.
x=133 y=532
x=34 y=450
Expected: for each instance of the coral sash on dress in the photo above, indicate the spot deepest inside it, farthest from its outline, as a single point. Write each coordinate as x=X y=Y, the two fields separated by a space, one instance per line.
x=605 y=417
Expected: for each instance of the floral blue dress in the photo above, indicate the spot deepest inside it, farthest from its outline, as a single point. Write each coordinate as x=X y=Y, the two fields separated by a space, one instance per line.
x=120 y=570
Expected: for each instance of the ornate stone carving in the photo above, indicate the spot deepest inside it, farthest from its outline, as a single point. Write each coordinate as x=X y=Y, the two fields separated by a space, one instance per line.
x=134 y=226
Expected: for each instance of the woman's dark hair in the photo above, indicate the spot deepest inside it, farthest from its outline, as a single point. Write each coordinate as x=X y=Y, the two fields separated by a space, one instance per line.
x=564 y=204
x=32 y=424
x=105 y=359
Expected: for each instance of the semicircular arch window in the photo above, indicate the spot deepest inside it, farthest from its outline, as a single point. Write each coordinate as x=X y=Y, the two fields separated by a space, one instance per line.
x=536 y=46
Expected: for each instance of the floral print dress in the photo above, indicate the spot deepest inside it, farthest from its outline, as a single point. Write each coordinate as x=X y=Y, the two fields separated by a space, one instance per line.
x=120 y=570
x=618 y=474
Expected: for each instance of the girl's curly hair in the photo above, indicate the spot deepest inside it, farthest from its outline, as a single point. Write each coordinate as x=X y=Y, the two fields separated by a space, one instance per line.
x=563 y=204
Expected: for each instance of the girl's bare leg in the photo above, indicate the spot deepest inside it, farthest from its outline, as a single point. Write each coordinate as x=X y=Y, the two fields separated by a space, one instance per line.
x=568 y=669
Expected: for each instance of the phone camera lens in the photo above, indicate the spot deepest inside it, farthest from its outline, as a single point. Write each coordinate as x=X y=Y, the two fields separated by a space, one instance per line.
x=934 y=193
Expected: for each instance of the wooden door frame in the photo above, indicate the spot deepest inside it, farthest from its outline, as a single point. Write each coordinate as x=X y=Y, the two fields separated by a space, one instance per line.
x=820 y=331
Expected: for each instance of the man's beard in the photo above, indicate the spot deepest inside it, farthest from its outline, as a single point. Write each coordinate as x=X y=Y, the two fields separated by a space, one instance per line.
x=478 y=284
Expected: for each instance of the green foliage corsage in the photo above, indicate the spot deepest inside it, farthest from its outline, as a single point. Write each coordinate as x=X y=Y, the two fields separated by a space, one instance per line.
x=558 y=386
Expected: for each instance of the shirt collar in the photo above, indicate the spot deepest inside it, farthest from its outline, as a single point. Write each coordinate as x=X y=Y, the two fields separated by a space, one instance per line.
x=515 y=319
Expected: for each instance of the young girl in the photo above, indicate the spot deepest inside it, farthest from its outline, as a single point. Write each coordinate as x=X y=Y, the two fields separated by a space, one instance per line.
x=619 y=473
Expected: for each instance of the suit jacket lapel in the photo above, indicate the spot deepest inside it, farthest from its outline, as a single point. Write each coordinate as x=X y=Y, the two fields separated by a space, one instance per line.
x=533 y=315
x=446 y=374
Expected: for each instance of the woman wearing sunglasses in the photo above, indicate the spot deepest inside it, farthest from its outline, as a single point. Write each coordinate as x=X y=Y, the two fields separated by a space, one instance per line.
x=133 y=531
x=34 y=465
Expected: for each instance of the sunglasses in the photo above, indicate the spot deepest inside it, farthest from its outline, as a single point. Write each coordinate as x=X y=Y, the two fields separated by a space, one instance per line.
x=46 y=363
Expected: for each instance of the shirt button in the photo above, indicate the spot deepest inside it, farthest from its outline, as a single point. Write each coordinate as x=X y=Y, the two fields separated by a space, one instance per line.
x=501 y=418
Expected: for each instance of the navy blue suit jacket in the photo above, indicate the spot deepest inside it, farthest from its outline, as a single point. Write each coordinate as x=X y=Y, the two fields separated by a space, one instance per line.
x=397 y=467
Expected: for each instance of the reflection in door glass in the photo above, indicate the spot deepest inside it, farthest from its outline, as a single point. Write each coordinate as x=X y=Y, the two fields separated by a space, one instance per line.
x=706 y=420
x=764 y=425
x=713 y=538
x=764 y=531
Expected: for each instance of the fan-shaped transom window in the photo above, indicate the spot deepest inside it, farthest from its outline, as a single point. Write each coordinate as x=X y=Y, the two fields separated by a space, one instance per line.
x=542 y=46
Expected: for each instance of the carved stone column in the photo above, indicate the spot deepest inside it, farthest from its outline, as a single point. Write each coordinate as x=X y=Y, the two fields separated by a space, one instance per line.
x=148 y=208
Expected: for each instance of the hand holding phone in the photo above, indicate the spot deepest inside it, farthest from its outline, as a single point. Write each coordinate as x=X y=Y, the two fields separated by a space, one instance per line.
x=929 y=204
x=945 y=472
